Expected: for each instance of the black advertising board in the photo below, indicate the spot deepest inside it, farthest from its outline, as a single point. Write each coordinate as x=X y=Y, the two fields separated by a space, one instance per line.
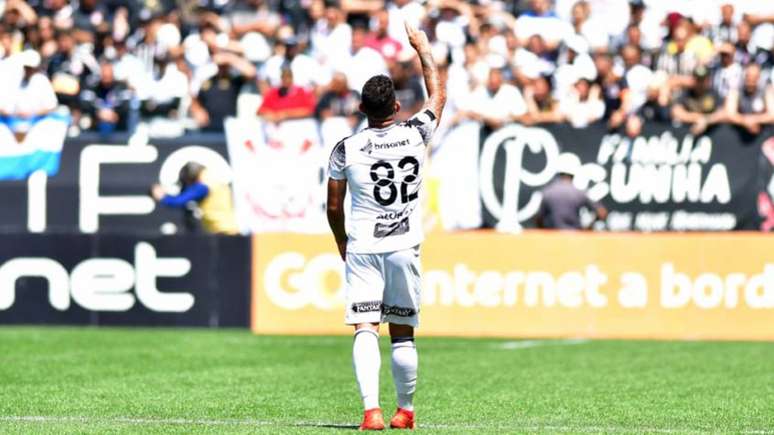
x=103 y=186
x=184 y=280
x=662 y=180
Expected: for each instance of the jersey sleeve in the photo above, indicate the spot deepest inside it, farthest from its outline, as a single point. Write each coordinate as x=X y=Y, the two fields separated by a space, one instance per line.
x=425 y=122
x=337 y=162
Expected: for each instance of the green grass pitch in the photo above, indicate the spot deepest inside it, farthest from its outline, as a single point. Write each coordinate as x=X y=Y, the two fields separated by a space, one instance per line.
x=101 y=381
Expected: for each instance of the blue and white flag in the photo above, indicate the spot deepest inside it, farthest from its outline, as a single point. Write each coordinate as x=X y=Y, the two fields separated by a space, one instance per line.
x=28 y=145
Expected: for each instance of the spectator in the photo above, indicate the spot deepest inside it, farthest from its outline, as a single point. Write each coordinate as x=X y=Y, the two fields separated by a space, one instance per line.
x=452 y=19
x=60 y=11
x=127 y=67
x=611 y=84
x=90 y=15
x=542 y=107
x=365 y=62
x=533 y=60
x=648 y=24
x=725 y=30
x=699 y=106
x=583 y=105
x=205 y=202
x=216 y=98
x=331 y=37
x=306 y=70
x=471 y=71
x=107 y=102
x=698 y=46
x=339 y=101
x=497 y=103
x=675 y=61
x=68 y=68
x=562 y=202
x=409 y=11
x=32 y=96
x=593 y=31
x=381 y=41
x=745 y=49
x=727 y=74
x=47 y=45
x=18 y=15
x=753 y=105
x=636 y=86
x=409 y=91
x=162 y=90
x=576 y=62
x=540 y=20
x=251 y=16
x=287 y=101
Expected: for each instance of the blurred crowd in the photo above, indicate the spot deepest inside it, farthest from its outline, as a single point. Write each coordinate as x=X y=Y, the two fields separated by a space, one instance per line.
x=187 y=65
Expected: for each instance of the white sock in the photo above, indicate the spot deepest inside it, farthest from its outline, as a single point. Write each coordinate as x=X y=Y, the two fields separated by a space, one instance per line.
x=367 y=361
x=404 y=370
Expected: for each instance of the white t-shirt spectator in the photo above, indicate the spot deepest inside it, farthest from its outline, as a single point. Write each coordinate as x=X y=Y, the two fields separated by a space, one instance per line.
x=594 y=32
x=451 y=32
x=32 y=97
x=566 y=75
x=10 y=72
x=363 y=65
x=306 y=71
x=611 y=15
x=531 y=65
x=331 y=46
x=551 y=28
x=638 y=80
x=581 y=113
x=172 y=84
x=412 y=12
x=507 y=102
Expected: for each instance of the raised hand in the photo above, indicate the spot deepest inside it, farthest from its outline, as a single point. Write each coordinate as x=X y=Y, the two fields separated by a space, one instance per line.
x=417 y=38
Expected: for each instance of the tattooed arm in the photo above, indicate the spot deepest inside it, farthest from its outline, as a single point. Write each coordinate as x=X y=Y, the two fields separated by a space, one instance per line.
x=436 y=88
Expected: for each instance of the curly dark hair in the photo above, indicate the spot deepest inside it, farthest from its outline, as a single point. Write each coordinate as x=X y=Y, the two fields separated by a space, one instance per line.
x=378 y=97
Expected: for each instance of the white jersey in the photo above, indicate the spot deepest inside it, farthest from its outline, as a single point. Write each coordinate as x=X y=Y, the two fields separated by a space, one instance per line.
x=383 y=169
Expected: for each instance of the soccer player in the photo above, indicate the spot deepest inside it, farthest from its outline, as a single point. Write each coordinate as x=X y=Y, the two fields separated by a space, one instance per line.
x=382 y=168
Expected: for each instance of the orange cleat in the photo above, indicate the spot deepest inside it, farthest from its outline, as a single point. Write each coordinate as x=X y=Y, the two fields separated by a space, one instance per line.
x=403 y=419
x=372 y=420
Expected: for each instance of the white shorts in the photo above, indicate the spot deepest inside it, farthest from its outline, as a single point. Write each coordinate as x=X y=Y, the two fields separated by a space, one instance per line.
x=383 y=288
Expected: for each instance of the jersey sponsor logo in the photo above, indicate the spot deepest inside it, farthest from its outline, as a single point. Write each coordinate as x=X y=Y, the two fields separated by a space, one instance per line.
x=398 y=311
x=369 y=146
x=367 y=307
x=388 y=145
x=391 y=229
x=391 y=216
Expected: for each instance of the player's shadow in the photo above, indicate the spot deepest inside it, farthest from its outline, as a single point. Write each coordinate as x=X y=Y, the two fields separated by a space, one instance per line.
x=329 y=426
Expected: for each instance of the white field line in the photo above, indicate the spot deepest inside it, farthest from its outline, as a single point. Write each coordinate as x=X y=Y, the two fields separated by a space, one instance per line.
x=526 y=344
x=250 y=422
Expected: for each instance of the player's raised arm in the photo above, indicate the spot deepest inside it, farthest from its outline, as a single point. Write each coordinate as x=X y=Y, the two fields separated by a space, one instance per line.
x=436 y=88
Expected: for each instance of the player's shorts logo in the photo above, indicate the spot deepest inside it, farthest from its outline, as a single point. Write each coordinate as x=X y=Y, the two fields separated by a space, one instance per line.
x=391 y=229
x=367 y=307
x=398 y=311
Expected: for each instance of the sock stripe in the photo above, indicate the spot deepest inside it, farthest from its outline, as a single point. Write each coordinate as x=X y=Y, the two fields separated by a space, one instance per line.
x=371 y=331
x=396 y=340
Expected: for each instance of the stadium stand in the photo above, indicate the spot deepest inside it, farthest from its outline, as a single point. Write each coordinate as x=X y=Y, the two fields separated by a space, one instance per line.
x=180 y=69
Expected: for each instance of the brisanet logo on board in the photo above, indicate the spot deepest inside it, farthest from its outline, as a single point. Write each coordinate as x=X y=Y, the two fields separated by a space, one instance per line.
x=102 y=284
